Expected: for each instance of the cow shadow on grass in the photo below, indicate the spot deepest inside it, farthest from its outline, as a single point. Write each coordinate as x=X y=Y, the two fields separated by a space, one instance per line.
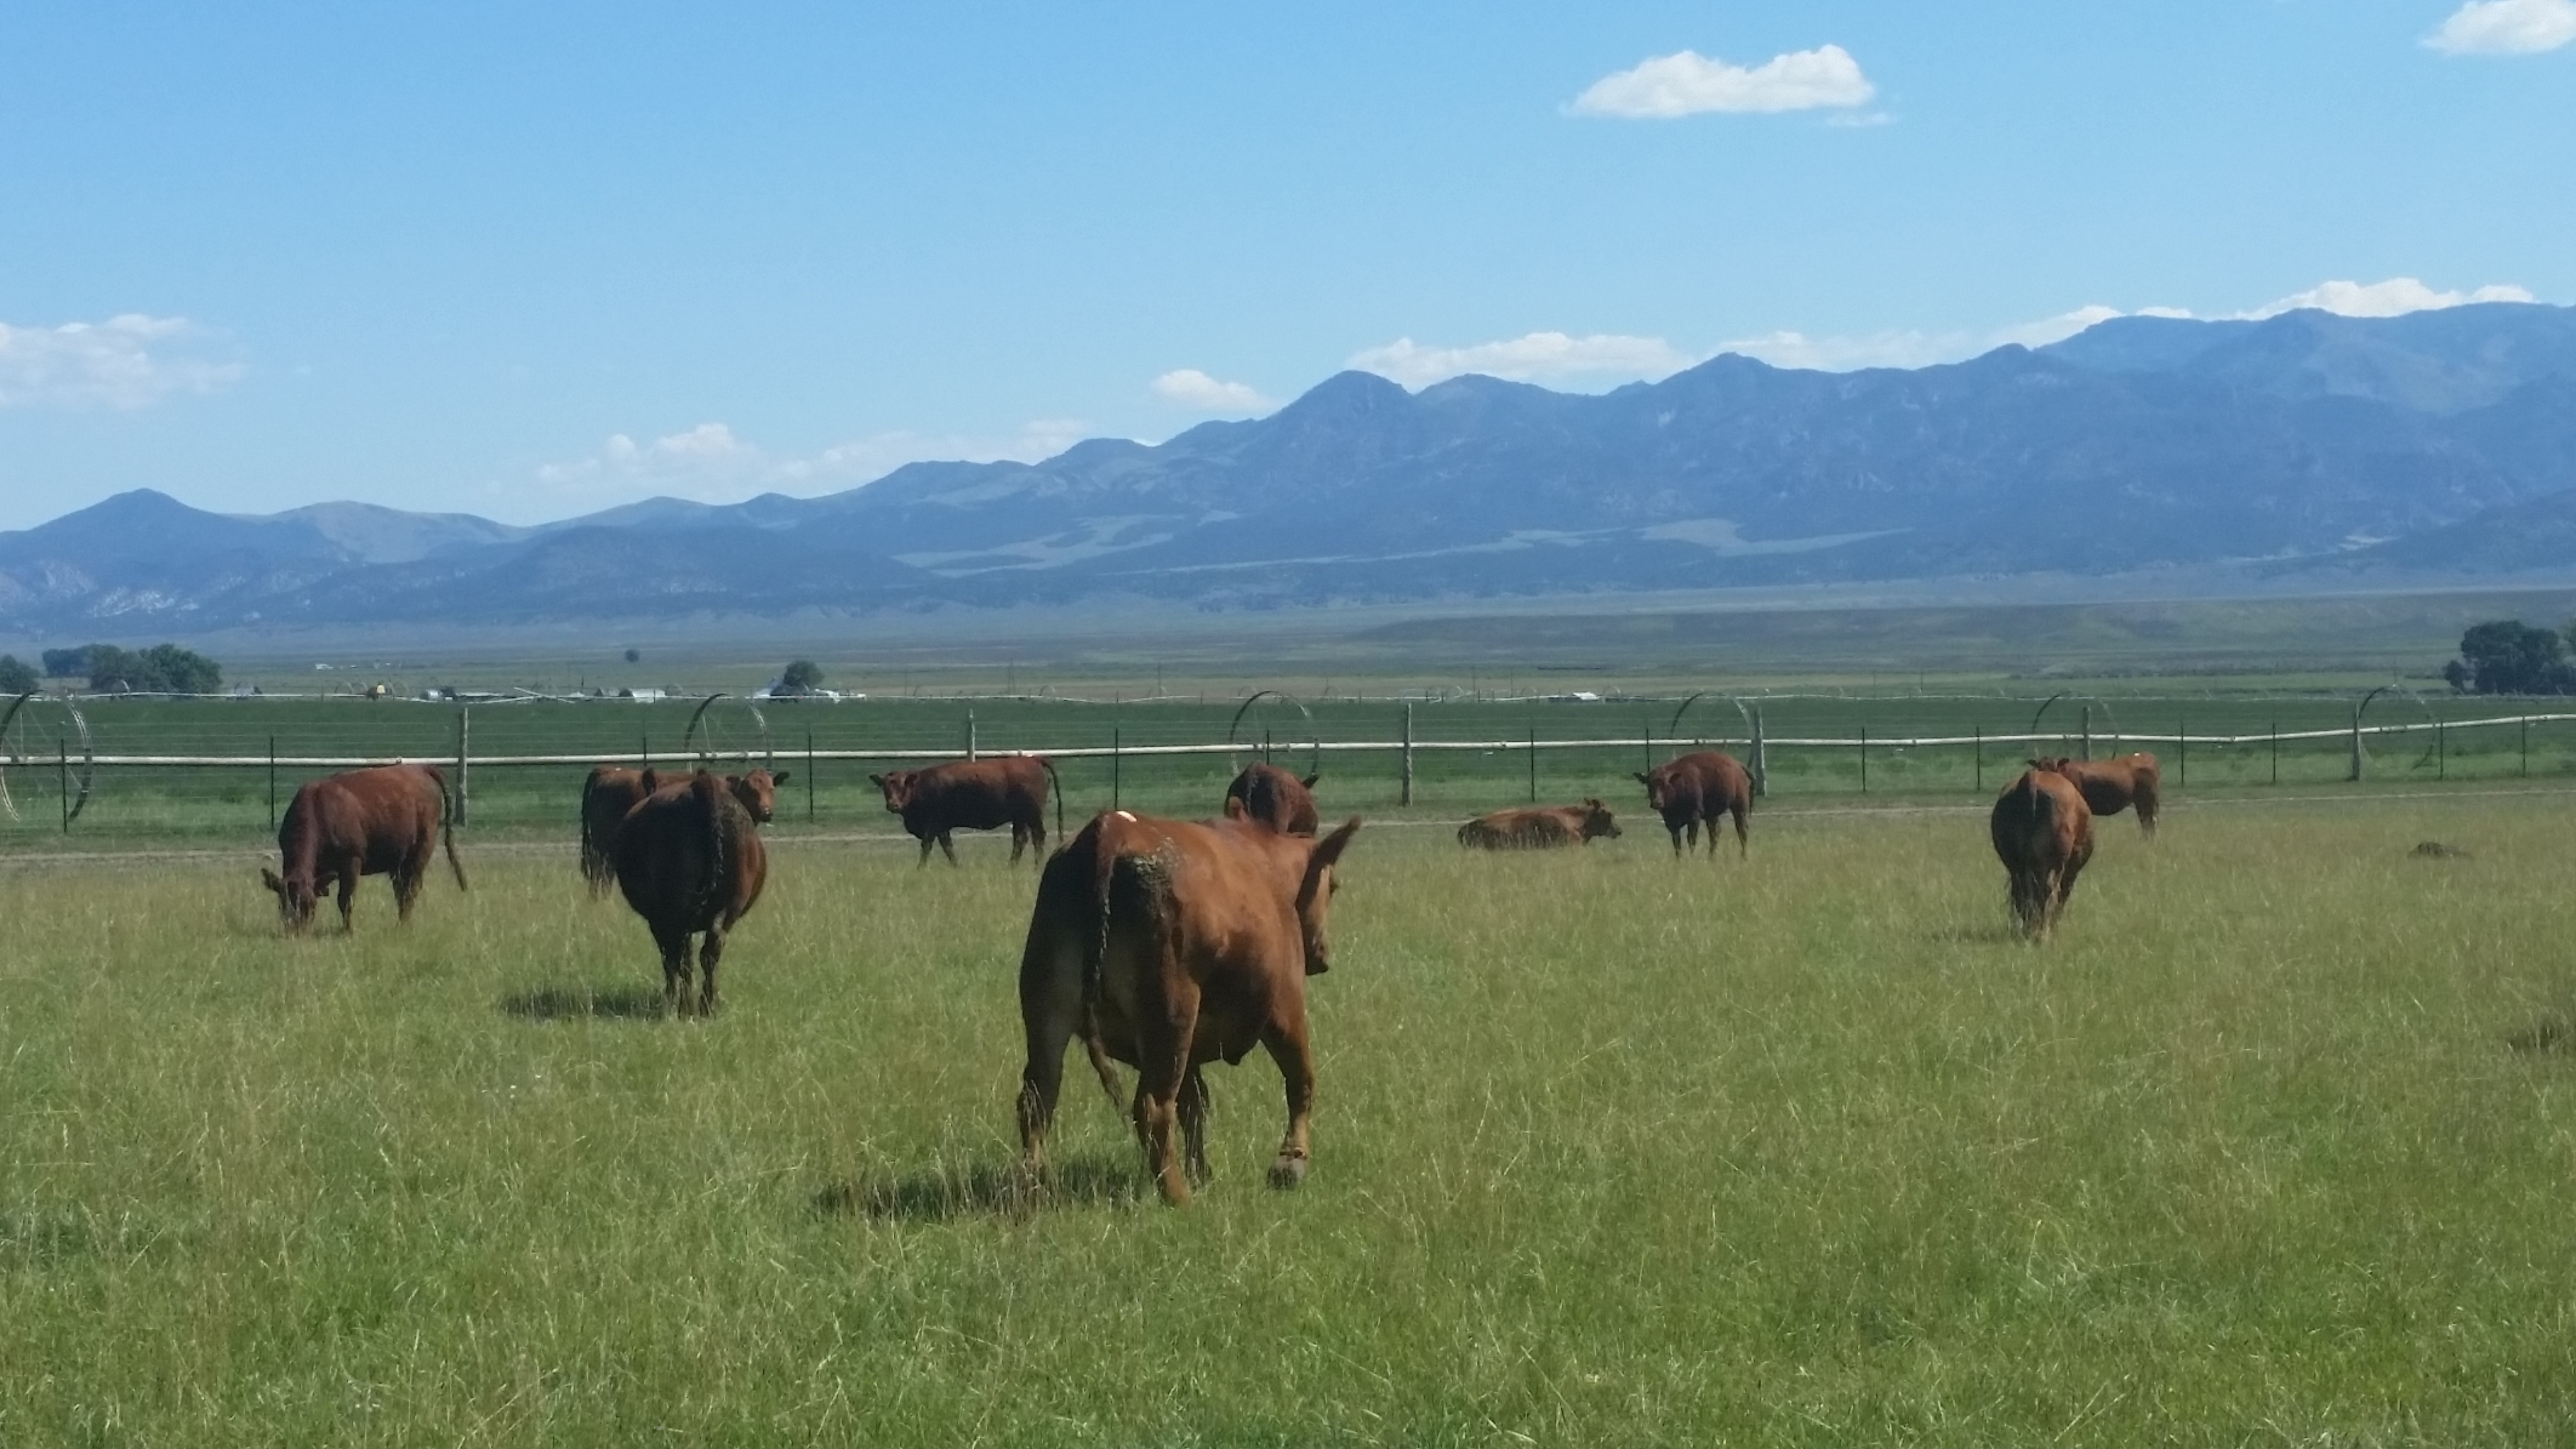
x=567 y=1003
x=983 y=1189
x=2549 y=1036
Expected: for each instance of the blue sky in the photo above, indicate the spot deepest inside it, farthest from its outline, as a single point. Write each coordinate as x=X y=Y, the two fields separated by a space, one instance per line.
x=529 y=261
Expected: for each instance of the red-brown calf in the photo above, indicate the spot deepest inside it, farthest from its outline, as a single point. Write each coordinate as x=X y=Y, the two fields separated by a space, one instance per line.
x=973 y=795
x=1699 y=789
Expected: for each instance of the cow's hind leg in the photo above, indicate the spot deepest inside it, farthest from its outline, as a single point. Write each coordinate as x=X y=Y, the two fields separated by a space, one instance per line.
x=946 y=847
x=1743 y=839
x=1164 y=1065
x=710 y=951
x=675 y=969
x=1019 y=840
x=1288 y=1047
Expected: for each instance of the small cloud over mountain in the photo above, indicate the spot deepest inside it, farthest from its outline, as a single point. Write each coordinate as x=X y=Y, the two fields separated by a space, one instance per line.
x=2506 y=27
x=126 y=362
x=1528 y=358
x=1687 y=83
x=1190 y=388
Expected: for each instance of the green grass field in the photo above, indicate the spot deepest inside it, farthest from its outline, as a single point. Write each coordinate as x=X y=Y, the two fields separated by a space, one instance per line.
x=2272 y=1145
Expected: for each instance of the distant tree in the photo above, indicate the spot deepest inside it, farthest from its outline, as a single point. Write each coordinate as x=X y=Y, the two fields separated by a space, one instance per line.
x=634 y=656
x=16 y=675
x=802 y=676
x=66 y=663
x=161 y=669
x=2507 y=656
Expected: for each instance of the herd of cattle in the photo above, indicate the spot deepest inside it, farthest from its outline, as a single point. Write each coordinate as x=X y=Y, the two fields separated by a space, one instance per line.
x=1162 y=944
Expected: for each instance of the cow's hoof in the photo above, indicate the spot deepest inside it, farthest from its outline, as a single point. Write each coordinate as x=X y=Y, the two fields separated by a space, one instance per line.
x=1287 y=1172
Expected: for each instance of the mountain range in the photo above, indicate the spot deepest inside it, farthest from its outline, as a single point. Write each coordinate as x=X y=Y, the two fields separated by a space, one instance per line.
x=2439 y=444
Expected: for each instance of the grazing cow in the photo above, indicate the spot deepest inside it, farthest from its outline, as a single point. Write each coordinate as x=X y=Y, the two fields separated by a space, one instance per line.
x=2043 y=833
x=606 y=796
x=974 y=795
x=1277 y=797
x=1167 y=945
x=1700 y=788
x=689 y=859
x=1544 y=828
x=2111 y=786
x=384 y=821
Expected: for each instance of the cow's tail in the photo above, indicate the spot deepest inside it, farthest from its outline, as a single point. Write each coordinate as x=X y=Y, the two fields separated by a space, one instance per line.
x=1055 y=787
x=1095 y=951
x=708 y=791
x=447 y=825
x=594 y=860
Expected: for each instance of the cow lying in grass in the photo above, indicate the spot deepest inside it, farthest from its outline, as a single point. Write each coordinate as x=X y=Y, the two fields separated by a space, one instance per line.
x=384 y=821
x=1542 y=828
x=1168 y=944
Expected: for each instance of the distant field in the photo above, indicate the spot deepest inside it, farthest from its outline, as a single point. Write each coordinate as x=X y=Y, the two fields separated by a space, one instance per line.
x=2273 y=1144
x=225 y=807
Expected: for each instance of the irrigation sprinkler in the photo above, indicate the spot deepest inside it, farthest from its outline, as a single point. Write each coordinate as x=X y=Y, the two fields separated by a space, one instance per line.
x=1236 y=742
x=22 y=737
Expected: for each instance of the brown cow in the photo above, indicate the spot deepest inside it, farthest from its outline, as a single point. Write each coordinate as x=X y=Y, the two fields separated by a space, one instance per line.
x=385 y=821
x=1276 y=797
x=1698 y=788
x=689 y=859
x=2111 y=786
x=974 y=795
x=2043 y=833
x=606 y=796
x=1543 y=828
x=1167 y=945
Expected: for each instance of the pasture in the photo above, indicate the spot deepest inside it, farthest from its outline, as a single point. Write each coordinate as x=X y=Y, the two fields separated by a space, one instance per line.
x=2273 y=1144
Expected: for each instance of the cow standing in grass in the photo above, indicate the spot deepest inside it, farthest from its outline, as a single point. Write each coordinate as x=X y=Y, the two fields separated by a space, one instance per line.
x=2043 y=833
x=606 y=796
x=1277 y=798
x=385 y=821
x=1168 y=944
x=1542 y=828
x=689 y=860
x=1700 y=789
x=2111 y=786
x=974 y=795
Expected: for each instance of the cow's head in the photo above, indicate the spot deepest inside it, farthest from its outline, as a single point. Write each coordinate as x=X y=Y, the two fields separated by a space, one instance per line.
x=757 y=791
x=1597 y=821
x=1655 y=786
x=295 y=898
x=897 y=785
x=1315 y=896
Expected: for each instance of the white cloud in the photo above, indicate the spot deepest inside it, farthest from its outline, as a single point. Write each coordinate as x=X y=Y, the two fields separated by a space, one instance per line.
x=125 y=362
x=1193 y=389
x=1526 y=359
x=2506 y=27
x=2392 y=298
x=1688 y=83
x=710 y=464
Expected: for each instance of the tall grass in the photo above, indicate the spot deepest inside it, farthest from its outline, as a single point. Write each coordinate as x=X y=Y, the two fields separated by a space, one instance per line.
x=2272 y=1145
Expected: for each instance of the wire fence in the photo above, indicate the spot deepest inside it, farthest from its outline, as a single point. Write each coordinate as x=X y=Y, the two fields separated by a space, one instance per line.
x=221 y=769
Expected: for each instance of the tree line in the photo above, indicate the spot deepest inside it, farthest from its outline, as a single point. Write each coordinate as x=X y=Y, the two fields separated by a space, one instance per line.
x=161 y=669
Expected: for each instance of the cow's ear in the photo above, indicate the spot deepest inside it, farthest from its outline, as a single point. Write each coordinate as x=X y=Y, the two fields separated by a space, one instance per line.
x=877 y=780
x=1309 y=781
x=652 y=780
x=1644 y=780
x=1327 y=851
x=1234 y=808
x=779 y=779
x=269 y=879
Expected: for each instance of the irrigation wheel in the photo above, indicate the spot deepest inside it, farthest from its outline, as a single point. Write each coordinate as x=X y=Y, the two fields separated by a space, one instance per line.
x=1274 y=722
x=38 y=730
x=734 y=733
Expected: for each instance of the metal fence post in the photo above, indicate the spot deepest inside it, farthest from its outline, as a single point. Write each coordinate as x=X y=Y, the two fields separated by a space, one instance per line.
x=2276 y=752
x=1533 y=737
x=2088 y=732
x=464 y=762
x=970 y=736
x=1407 y=797
x=1979 y=733
x=2441 y=750
x=2526 y=747
x=1761 y=758
x=1864 y=759
x=63 y=779
x=809 y=777
x=272 y=782
x=2182 y=749
x=2356 y=744
x=1116 y=762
